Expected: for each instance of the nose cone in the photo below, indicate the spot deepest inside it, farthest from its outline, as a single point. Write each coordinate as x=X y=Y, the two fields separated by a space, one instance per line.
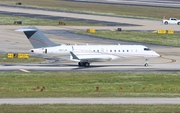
x=156 y=54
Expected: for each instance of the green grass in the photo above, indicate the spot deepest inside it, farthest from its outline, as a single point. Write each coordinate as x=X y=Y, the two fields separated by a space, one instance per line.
x=9 y=20
x=74 y=84
x=147 y=37
x=105 y=9
x=4 y=59
x=89 y=108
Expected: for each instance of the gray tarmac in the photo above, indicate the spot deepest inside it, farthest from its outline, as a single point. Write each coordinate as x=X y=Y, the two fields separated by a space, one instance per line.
x=72 y=67
x=149 y=101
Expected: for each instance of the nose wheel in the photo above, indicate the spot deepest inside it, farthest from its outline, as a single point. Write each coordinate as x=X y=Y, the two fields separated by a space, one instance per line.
x=146 y=63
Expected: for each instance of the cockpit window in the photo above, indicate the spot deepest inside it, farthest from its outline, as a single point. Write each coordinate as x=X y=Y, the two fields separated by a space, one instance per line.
x=147 y=49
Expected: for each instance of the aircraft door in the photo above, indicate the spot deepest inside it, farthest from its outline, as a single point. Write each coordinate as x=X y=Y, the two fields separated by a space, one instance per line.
x=45 y=51
x=102 y=50
x=72 y=48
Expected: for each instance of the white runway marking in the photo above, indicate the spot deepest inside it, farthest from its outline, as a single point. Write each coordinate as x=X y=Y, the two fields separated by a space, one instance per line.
x=24 y=70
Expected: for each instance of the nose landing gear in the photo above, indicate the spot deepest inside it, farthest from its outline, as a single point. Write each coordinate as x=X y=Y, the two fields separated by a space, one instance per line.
x=146 y=63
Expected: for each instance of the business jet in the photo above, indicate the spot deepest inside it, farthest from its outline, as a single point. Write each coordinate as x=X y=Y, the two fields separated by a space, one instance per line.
x=86 y=54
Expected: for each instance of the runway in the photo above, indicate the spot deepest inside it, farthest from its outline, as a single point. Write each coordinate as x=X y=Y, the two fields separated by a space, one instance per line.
x=154 y=101
x=120 y=65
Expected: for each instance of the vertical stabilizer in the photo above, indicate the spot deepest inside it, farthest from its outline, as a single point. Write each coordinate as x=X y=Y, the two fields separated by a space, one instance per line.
x=37 y=38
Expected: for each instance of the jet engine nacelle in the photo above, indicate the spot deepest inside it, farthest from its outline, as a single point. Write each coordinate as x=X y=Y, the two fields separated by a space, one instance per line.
x=43 y=50
x=37 y=51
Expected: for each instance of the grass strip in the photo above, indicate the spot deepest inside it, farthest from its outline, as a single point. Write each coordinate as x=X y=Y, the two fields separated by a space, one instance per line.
x=145 y=37
x=9 y=20
x=74 y=84
x=32 y=59
x=89 y=108
x=104 y=9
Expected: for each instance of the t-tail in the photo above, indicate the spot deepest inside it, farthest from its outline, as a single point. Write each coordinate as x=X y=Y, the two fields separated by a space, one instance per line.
x=37 y=38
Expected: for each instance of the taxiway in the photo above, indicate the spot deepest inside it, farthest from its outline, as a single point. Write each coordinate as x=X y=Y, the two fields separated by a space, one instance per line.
x=154 y=101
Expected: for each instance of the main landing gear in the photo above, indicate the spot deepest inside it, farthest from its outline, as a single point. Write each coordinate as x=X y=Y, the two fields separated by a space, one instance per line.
x=146 y=63
x=85 y=64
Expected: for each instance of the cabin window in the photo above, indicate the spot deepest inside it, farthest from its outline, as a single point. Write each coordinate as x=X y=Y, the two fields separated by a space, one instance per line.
x=127 y=50
x=119 y=51
x=114 y=50
x=123 y=50
x=110 y=50
x=97 y=50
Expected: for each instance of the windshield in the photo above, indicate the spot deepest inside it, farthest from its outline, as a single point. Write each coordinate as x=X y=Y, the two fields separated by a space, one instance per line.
x=147 y=49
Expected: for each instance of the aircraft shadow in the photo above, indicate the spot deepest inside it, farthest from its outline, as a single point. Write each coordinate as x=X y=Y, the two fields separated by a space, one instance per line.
x=72 y=65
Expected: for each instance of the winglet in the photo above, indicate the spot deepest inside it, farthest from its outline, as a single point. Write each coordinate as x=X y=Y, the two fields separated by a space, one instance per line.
x=73 y=55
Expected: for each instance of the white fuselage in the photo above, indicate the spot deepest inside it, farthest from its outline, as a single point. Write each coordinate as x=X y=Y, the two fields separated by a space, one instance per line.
x=100 y=52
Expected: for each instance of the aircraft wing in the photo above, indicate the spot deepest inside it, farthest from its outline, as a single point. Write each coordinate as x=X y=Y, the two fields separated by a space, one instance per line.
x=92 y=57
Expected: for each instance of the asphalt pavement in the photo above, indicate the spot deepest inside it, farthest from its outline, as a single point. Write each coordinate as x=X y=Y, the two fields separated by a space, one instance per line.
x=154 y=101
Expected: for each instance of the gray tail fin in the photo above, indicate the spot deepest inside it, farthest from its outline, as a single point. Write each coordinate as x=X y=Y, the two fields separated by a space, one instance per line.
x=37 y=38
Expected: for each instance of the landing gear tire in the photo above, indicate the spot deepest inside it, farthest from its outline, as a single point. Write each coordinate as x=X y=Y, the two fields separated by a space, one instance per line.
x=146 y=64
x=86 y=64
x=80 y=64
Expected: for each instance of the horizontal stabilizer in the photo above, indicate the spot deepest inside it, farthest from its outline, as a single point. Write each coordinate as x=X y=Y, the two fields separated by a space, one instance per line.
x=22 y=30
